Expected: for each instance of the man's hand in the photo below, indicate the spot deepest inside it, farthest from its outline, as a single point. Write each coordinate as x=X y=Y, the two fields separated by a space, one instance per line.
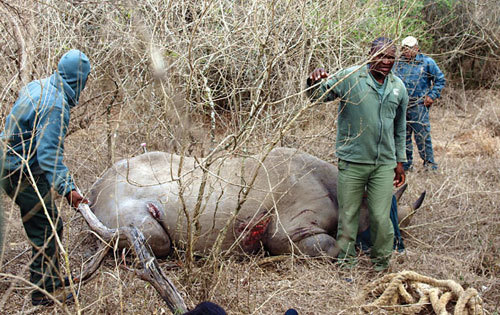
x=399 y=177
x=428 y=101
x=74 y=199
x=318 y=74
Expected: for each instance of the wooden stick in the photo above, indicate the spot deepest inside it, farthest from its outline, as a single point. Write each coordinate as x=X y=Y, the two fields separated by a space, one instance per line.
x=151 y=272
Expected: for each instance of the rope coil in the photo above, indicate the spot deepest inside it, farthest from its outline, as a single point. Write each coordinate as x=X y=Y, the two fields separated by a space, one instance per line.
x=408 y=292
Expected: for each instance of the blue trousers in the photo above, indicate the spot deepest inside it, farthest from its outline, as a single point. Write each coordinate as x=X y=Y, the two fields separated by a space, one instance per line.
x=418 y=124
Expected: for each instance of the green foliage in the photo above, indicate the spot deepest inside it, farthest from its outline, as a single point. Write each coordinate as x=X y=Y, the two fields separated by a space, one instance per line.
x=356 y=23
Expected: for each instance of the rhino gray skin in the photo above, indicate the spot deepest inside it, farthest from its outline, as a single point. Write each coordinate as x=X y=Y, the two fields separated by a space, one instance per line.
x=292 y=204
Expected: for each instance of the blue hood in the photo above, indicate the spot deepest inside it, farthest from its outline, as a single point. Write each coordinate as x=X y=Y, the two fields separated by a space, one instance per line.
x=74 y=69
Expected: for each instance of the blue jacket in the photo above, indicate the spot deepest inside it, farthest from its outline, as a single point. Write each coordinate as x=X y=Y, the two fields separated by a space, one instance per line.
x=421 y=77
x=38 y=122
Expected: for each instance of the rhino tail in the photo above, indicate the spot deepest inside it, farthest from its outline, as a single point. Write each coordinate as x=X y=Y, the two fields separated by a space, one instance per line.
x=155 y=211
x=158 y=213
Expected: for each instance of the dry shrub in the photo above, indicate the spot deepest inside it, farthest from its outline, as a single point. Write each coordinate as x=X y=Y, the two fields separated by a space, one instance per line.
x=464 y=33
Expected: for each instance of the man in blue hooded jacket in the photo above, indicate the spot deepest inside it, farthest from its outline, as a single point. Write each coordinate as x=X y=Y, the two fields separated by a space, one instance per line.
x=424 y=81
x=33 y=149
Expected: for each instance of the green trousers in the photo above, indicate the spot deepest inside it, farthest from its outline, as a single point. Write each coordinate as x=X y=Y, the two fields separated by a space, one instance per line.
x=44 y=267
x=377 y=180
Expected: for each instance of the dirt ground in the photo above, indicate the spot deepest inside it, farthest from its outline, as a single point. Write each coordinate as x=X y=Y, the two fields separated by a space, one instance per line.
x=455 y=235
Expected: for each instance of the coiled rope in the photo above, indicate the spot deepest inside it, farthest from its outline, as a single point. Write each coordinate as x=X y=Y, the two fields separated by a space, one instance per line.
x=408 y=292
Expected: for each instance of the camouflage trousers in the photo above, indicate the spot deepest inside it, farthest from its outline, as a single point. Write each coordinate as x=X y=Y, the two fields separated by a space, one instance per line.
x=44 y=266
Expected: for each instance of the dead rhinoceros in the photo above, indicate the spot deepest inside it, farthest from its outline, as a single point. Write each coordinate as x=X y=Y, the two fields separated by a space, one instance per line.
x=285 y=202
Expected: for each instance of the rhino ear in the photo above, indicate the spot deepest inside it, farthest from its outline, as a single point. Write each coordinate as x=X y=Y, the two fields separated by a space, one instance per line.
x=400 y=192
x=419 y=201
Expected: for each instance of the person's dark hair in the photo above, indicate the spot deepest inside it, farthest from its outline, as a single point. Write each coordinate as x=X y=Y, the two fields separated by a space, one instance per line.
x=207 y=308
x=381 y=42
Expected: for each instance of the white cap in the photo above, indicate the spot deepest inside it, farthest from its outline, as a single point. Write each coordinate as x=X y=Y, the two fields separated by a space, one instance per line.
x=409 y=41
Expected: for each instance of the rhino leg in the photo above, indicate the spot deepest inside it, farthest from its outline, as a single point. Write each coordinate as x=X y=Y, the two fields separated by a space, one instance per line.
x=306 y=224
x=147 y=216
x=310 y=241
x=317 y=245
x=155 y=235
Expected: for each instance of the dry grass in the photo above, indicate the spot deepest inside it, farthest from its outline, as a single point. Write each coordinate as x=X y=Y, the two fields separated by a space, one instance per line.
x=181 y=76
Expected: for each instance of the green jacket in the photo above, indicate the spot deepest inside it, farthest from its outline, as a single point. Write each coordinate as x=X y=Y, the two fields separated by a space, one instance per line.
x=370 y=129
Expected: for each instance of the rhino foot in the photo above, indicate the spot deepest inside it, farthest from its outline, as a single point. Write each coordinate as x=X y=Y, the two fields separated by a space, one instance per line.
x=318 y=245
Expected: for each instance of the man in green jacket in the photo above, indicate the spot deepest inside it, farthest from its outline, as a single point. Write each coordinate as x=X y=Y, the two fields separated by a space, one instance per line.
x=370 y=146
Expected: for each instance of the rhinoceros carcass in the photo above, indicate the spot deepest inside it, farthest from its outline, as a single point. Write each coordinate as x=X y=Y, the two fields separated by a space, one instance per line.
x=284 y=202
